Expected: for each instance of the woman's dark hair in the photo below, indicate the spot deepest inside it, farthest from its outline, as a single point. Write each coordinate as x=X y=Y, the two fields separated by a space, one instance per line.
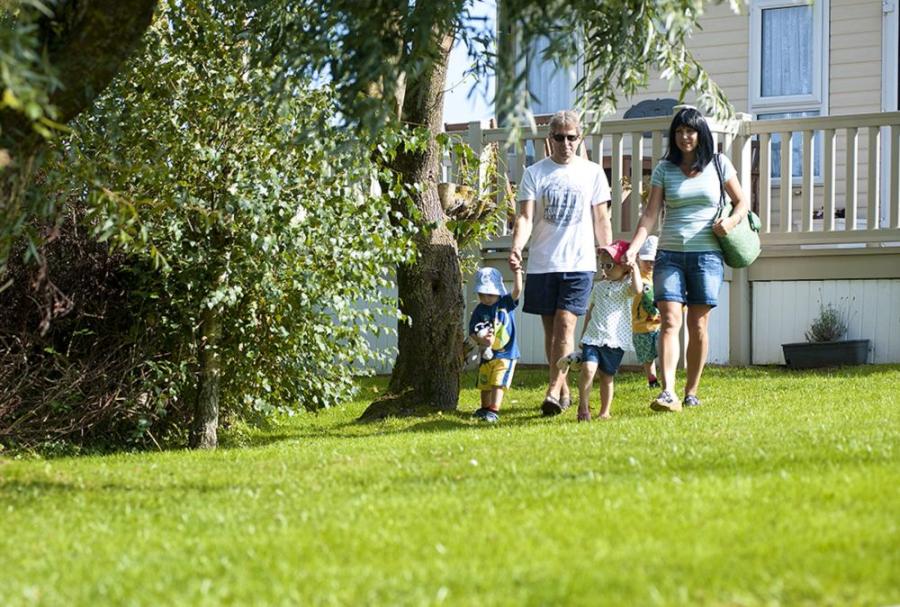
x=692 y=119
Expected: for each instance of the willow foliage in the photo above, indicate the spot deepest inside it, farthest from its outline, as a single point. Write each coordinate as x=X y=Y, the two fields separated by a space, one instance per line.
x=227 y=198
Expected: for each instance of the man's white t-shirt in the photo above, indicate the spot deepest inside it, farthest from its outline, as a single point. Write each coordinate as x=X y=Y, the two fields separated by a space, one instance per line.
x=562 y=237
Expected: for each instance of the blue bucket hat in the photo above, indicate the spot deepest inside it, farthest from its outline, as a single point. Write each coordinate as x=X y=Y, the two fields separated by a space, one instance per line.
x=489 y=281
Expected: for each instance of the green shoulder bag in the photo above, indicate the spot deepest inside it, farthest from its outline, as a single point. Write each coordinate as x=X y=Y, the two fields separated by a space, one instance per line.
x=740 y=246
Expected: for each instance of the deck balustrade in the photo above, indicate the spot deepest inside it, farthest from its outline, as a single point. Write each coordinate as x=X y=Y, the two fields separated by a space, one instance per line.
x=847 y=192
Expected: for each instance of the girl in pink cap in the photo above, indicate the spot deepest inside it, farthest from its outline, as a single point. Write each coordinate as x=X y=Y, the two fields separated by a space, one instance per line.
x=607 y=328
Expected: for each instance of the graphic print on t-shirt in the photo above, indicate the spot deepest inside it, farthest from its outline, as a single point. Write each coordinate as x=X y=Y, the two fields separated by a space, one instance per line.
x=563 y=204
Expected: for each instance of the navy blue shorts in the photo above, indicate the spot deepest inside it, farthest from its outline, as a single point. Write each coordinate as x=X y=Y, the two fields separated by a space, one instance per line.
x=607 y=359
x=547 y=293
x=688 y=278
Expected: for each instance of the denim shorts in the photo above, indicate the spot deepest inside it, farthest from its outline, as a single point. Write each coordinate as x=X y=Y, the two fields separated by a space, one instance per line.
x=547 y=293
x=691 y=278
x=607 y=359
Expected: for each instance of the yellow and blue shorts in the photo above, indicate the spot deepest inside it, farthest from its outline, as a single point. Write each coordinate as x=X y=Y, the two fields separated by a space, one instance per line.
x=495 y=373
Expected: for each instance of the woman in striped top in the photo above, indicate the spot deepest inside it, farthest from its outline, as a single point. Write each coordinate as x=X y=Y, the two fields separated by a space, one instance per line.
x=689 y=267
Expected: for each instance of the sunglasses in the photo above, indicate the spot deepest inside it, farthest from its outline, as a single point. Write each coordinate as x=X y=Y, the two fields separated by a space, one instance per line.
x=607 y=266
x=559 y=137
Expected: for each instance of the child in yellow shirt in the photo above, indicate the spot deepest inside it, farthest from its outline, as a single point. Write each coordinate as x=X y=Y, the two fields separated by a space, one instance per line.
x=645 y=320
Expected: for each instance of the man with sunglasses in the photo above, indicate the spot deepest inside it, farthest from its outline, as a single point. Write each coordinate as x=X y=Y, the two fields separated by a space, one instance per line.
x=564 y=209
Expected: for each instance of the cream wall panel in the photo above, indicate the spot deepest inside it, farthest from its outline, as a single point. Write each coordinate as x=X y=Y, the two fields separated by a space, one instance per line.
x=852 y=10
x=855 y=38
x=850 y=61
x=721 y=47
x=783 y=311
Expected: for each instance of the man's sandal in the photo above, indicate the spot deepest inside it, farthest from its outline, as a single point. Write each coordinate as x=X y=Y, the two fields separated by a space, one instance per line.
x=551 y=406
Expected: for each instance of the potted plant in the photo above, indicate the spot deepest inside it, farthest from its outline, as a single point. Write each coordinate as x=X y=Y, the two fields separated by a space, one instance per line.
x=824 y=346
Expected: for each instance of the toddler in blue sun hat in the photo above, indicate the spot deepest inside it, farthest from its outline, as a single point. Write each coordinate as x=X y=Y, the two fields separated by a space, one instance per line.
x=493 y=327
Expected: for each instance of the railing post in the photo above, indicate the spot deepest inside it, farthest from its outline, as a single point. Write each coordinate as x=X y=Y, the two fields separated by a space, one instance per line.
x=618 y=150
x=873 y=213
x=740 y=312
x=828 y=175
x=894 y=194
x=637 y=181
x=807 y=172
x=765 y=182
x=475 y=140
x=739 y=302
x=656 y=150
x=851 y=204
x=786 y=214
x=741 y=153
x=503 y=180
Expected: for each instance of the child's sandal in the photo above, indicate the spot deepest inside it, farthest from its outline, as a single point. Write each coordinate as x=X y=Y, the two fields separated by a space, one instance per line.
x=584 y=416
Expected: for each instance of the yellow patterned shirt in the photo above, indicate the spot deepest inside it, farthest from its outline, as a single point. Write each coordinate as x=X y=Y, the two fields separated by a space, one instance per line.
x=644 y=315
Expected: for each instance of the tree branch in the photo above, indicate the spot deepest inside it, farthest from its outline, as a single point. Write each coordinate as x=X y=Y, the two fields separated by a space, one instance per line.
x=86 y=42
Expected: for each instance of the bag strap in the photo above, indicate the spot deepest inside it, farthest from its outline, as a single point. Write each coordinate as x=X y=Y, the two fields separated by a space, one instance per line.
x=721 y=181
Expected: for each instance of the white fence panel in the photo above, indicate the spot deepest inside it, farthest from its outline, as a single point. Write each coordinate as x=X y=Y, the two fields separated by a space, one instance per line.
x=784 y=310
x=384 y=342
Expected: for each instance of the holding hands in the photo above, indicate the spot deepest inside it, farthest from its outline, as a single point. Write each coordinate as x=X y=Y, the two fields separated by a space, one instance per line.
x=515 y=259
x=631 y=255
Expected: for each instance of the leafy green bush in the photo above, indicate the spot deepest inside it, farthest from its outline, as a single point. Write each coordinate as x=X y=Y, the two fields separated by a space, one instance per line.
x=236 y=208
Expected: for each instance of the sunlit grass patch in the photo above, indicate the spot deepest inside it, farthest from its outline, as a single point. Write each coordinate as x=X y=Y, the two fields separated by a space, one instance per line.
x=782 y=488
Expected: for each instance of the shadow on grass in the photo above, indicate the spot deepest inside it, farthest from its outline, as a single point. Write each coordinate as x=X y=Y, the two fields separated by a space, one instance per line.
x=460 y=420
x=630 y=405
x=29 y=490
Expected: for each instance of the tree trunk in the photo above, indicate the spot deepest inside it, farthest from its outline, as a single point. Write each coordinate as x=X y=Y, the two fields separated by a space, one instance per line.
x=426 y=373
x=204 y=434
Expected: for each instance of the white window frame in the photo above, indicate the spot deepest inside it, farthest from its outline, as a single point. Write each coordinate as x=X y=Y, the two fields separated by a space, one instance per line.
x=818 y=99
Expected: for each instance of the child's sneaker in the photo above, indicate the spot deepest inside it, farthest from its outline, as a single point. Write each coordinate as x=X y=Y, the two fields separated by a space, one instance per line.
x=653 y=384
x=486 y=415
x=666 y=401
x=569 y=362
x=691 y=400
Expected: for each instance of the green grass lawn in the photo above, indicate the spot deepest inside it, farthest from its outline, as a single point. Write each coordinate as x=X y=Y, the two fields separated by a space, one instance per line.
x=782 y=489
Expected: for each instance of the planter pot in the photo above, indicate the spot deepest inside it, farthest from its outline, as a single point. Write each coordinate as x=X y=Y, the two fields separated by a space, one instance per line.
x=807 y=355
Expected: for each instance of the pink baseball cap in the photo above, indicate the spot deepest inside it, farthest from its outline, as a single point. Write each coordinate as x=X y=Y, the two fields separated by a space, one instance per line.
x=616 y=249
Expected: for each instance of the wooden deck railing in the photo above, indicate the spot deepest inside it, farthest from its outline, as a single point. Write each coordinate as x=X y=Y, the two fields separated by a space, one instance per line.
x=865 y=183
x=835 y=190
